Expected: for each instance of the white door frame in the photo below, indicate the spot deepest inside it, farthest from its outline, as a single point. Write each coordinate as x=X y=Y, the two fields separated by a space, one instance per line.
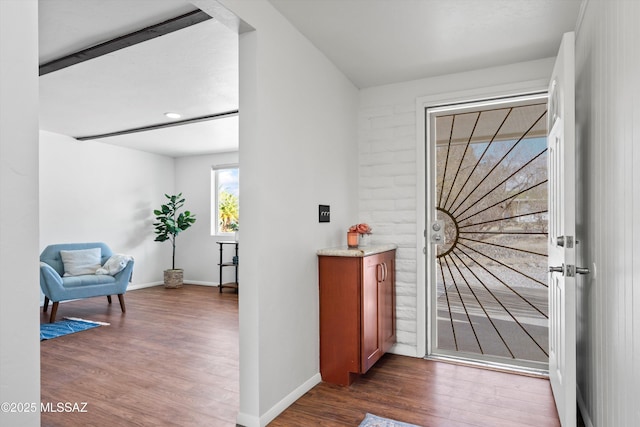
x=424 y=157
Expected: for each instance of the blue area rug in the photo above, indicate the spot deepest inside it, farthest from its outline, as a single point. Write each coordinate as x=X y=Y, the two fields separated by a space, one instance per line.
x=67 y=326
x=371 y=420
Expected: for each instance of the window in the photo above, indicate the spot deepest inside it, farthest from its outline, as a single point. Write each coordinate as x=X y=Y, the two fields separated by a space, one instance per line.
x=225 y=215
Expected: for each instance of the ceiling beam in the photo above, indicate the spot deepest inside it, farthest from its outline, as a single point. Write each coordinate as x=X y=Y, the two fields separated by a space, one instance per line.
x=148 y=33
x=160 y=125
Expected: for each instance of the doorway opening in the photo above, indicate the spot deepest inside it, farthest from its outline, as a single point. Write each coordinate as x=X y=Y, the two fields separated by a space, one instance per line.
x=489 y=204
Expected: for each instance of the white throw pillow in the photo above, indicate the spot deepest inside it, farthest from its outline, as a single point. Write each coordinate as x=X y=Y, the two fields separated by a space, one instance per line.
x=83 y=261
x=115 y=264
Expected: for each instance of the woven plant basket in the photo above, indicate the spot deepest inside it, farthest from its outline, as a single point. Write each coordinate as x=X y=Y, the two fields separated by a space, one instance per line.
x=173 y=278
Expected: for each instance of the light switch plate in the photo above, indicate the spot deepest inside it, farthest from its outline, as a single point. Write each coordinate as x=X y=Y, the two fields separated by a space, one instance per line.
x=324 y=213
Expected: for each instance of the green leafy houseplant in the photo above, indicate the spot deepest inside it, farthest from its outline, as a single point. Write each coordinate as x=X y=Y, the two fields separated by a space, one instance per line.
x=170 y=222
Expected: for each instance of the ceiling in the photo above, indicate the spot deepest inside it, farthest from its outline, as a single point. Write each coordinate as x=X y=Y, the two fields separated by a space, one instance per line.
x=194 y=71
x=376 y=42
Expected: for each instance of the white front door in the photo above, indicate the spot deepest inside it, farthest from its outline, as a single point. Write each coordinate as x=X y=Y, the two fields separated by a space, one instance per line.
x=562 y=241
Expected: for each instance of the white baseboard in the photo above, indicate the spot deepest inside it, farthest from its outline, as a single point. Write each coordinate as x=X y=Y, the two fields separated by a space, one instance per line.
x=200 y=282
x=289 y=399
x=246 y=420
x=133 y=287
x=136 y=286
x=404 y=350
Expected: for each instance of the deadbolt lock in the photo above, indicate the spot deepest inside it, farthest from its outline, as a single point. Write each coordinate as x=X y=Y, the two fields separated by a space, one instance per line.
x=565 y=241
x=437 y=232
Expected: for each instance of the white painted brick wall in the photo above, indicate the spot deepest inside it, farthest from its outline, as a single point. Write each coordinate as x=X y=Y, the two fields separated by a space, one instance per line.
x=388 y=170
x=387 y=199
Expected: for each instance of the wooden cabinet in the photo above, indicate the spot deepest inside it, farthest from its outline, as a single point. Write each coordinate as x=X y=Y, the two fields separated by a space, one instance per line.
x=357 y=313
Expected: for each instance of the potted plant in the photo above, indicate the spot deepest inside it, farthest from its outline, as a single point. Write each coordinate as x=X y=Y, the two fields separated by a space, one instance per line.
x=169 y=223
x=363 y=230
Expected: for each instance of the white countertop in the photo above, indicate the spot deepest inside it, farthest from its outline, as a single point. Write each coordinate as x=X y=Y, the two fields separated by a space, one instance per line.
x=356 y=252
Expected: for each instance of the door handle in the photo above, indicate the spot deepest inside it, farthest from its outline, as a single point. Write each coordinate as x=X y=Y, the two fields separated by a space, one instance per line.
x=381 y=272
x=569 y=270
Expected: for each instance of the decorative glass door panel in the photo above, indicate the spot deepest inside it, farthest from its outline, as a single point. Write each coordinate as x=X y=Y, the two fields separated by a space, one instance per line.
x=490 y=299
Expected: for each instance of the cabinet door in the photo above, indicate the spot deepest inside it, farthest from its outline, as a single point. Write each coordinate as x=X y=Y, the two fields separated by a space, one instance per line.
x=371 y=279
x=340 y=279
x=387 y=302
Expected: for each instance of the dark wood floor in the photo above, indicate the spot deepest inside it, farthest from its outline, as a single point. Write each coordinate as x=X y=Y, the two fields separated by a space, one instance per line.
x=429 y=394
x=172 y=359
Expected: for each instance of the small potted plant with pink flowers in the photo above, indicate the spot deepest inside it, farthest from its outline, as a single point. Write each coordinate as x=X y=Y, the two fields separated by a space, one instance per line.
x=355 y=231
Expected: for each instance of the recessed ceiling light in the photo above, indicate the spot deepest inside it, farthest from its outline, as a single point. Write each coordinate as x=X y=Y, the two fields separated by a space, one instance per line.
x=173 y=115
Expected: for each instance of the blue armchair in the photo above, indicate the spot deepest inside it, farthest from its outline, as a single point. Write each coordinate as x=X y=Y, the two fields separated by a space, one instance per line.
x=57 y=287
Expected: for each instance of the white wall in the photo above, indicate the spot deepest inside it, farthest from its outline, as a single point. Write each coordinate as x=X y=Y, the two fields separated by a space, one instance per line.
x=196 y=249
x=19 y=320
x=305 y=126
x=297 y=150
x=608 y=137
x=90 y=191
x=391 y=173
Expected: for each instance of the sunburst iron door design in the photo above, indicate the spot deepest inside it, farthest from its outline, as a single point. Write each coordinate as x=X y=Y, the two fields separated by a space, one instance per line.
x=491 y=196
